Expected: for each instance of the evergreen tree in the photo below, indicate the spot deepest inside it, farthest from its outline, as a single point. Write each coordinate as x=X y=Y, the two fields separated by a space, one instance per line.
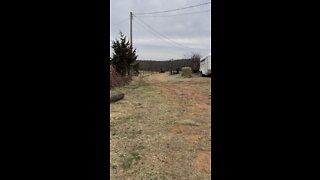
x=123 y=56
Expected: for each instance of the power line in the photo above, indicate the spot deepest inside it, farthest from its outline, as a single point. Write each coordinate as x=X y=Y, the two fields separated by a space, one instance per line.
x=162 y=34
x=159 y=34
x=175 y=9
x=143 y=26
x=197 y=12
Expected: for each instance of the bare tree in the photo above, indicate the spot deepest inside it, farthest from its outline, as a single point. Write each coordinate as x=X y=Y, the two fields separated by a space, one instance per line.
x=195 y=61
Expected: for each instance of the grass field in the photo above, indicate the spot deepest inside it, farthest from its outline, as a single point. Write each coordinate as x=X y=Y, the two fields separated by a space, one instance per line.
x=161 y=129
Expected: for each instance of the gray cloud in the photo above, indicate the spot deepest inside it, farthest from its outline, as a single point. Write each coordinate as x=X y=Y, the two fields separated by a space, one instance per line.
x=192 y=30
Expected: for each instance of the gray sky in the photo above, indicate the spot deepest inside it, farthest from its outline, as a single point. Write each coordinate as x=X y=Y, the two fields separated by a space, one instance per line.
x=183 y=31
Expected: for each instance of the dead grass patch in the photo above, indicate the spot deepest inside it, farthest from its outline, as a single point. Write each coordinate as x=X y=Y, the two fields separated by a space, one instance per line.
x=156 y=131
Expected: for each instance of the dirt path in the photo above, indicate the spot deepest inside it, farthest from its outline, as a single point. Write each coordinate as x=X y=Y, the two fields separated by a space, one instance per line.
x=161 y=130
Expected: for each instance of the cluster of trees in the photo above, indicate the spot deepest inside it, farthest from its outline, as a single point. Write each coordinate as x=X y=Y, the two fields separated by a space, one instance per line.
x=123 y=56
x=163 y=65
x=170 y=65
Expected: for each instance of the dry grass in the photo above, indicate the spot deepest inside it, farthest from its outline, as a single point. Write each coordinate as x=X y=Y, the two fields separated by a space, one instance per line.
x=161 y=129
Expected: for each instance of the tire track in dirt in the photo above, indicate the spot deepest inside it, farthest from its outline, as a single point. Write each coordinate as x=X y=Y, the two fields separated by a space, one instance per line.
x=200 y=106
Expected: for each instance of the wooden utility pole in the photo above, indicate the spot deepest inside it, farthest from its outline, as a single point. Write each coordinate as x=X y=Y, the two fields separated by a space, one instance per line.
x=131 y=29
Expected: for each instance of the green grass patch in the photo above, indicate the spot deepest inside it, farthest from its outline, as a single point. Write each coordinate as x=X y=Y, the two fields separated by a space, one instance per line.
x=132 y=156
x=133 y=133
x=122 y=120
x=125 y=133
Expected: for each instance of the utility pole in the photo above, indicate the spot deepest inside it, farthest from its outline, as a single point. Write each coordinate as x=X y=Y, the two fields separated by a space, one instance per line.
x=131 y=30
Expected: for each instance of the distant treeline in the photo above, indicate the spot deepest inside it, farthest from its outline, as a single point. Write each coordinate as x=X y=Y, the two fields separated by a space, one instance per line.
x=148 y=65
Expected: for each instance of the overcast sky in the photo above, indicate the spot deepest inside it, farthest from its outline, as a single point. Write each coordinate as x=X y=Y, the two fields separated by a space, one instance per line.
x=187 y=34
